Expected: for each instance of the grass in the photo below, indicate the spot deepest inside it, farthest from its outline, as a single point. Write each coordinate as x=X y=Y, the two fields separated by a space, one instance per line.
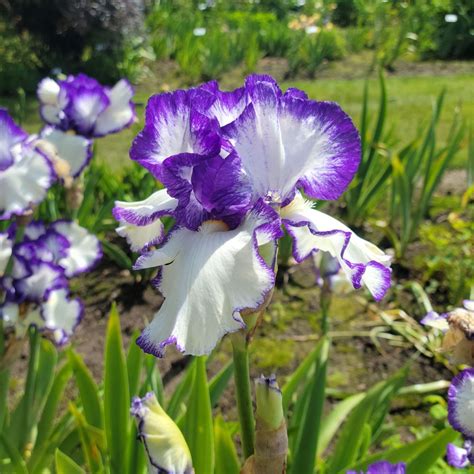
x=409 y=108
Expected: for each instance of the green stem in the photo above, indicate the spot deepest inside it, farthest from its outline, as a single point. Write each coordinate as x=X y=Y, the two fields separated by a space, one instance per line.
x=243 y=392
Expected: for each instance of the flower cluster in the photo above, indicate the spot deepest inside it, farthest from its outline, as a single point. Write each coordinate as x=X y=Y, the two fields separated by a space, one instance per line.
x=234 y=166
x=36 y=290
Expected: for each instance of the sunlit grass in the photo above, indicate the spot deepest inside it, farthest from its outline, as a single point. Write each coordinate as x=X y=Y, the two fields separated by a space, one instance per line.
x=409 y=108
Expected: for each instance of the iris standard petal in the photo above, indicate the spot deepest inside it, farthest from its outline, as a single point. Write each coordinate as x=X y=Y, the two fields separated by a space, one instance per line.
x=164 y=443
x=461 y=403
x=142 y=213
x=76 y=150
x=120 y=113
x=61 y=314
x=226 y=105
x=25 y=183
x=84 y=249
x=174 y=125
x=207 y=277
x=285 y=141
x=313 y=230
x=10 y=135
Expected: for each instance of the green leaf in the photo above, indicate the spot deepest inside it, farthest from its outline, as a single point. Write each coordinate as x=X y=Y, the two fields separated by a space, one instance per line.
x=371 y=410
x=308 y=433
x=331 y=423
x=176 y=405
x=116 y=395
x=65 y=465
x=198 y=426
x=412 y=452
x=116 y=254
x=219 y=382
x=21 y=419
x=134 y=365
x=48 y=415
x=300 y=374
x=153 y=380
x=92 y=441
x=88 y=390
x=4 y=385
x=434 y=450
x=17 y=463
x=227 y=460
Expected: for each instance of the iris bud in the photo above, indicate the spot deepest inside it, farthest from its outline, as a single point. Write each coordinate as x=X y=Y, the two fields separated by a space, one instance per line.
x=164 y=443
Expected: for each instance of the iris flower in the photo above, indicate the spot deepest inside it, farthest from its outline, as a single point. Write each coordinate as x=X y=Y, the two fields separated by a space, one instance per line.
x=383 y=467
x=26 y=173
x=36 y=292
x=82 y=104
x=236 y=167
x=458 y=329
x=461 y=417
x=164 y=443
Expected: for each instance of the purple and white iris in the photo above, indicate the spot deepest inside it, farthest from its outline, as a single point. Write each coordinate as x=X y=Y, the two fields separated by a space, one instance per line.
x=36 y=292
x=82 y=104
x=234 y=166
x=461 y=418
x=458 y=329
x=383 y=467
x=26 y=173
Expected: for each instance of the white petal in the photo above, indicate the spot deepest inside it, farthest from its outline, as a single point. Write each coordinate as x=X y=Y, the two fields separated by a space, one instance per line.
x=74 y=149
x=141 y=237
x=84 y=251
x=313 y=230
x=61 y=315
x=25 y=183
x=51 y=114
x=207 y=277
x=469 y=305
x=48 y=91
x=10 y=313
x=5 y=251
x=145 y=212
x=119 y=113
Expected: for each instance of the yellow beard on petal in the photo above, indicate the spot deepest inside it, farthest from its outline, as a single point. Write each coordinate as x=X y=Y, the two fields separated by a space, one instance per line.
x=211 y=226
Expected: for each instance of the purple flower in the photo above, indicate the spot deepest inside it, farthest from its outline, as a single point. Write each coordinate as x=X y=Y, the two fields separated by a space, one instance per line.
x=233 y=165
x=458 y=329
x=383 y=467
x=460 y=457
x=37 y=290
x=461 y=403
x=82 y=104
x=26 y=174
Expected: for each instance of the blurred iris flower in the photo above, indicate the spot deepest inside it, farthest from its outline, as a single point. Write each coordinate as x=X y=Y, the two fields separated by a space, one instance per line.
x=235 y=166
x=461 y=418
x=81 y=104
x=36 y=292
x=26 y=173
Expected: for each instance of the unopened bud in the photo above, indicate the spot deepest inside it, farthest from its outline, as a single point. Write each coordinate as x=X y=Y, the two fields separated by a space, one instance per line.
x=271 y=439
x=165 y=444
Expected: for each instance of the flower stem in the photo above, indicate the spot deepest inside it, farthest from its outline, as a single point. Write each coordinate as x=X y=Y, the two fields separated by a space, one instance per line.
x=243 y=392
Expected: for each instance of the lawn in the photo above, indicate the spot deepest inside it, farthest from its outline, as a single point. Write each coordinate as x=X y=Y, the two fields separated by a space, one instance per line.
x=409 y=107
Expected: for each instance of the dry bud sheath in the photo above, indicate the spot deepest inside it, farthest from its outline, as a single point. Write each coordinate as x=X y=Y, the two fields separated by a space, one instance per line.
x=271 y=440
